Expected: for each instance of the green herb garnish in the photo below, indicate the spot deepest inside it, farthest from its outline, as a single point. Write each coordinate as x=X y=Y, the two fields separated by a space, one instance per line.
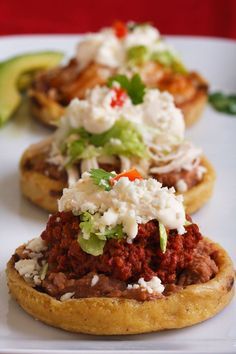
x=134 y=87
x=223 y=103
x=163 y=237
x=101 y=178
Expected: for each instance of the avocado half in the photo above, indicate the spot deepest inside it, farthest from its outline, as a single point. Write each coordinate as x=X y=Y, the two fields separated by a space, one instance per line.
x=10 y=72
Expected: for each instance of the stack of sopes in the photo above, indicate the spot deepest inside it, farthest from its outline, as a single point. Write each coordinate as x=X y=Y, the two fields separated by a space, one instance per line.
x=116 y=127
x=121 y=248
x=121 y=256
x=122 y=49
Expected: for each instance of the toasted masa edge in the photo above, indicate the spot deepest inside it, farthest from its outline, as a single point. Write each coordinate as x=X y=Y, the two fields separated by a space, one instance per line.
x=193 y=109
x=198 y=195
x=114 y=316
x=41 y=190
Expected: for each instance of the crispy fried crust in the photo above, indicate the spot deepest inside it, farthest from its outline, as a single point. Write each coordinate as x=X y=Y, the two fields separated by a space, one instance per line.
x=193 y=109
x=44 y=191
x=198 y=195
x=40 y=189
x=106 y=316
x=45 y=109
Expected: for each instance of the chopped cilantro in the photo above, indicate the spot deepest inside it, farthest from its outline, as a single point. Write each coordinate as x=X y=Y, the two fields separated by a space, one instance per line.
x=223 y=103
x=134 y=87
x=101 y=178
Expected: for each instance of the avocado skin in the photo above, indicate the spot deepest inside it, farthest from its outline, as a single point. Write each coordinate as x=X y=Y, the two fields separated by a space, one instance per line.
x=12 y=69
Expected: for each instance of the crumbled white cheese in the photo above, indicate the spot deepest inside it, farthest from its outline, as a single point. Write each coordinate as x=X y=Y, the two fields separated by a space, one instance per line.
x=127 y=203
x=107 y=49
x=67 y=296
x=181 y=186
x=30 y=268
x=27 y=267
x=201 y=170
x=36 y=245
x=152 y=286
x=157 y=119
x=94 y=280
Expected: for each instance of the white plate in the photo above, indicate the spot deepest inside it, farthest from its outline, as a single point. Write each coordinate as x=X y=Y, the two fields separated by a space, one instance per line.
x=20 y=221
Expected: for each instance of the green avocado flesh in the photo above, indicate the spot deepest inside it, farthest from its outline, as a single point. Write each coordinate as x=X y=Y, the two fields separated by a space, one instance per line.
x=10 y=72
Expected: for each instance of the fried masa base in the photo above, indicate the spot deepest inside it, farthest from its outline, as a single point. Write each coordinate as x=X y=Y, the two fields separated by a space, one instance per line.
x=106 y=316
x=45 y=191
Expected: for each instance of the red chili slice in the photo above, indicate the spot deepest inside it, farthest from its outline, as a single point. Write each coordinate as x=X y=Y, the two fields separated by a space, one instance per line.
x=120 y=29
x=120 y=97
x=132 y=175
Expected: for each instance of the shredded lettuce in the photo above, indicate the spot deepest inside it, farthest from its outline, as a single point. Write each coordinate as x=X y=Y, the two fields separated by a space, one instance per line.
x=137 y=55
x=115 y=233
x=131 y=143
x=92 y=241
x=163 y=237
x=168 y=59
x=121 y=139
x=93 y=245
x=223 y=103
x=75 y=149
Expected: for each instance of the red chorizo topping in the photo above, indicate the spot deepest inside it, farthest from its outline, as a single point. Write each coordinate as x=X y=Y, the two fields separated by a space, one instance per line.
x=120 y=260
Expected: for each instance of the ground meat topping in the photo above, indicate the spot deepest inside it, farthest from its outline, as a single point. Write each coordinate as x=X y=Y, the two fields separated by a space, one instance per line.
x=202 y=266
x=73 y=273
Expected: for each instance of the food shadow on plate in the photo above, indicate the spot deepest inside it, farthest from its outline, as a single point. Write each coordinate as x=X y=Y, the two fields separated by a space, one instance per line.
x=15 y=203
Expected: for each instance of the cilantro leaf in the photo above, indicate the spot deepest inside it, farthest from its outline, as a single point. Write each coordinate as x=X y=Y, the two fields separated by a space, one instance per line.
x=137 y=89
x=223 y=103
x=101 y=178
x=134 y=87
